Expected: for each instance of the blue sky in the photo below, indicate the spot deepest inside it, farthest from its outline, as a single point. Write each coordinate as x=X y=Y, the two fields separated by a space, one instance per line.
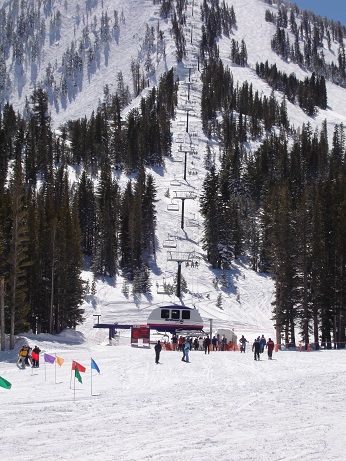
x=334 y=9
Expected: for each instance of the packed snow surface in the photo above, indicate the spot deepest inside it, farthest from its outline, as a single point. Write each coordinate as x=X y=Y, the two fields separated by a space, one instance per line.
x=223 y=406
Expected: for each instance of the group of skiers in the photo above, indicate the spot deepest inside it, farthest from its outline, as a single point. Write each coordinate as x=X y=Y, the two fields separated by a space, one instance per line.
x=198 y=343
x=258 y=346
x=28 y=357
x=185 y=346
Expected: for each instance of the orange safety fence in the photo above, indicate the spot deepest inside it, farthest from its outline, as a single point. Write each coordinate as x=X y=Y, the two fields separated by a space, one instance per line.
x=233 y=347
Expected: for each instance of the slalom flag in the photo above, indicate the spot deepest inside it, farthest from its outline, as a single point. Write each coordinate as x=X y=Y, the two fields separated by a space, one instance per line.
x=77 y=375
x=94 y=365
x=4 y=383
x=59 y=361
x=49 y=358
x=78 y=366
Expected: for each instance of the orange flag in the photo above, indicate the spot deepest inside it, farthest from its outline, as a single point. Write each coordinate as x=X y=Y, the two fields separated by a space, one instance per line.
x=59 y=361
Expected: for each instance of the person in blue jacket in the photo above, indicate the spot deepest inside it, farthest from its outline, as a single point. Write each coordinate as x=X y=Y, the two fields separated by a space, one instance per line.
x=186 y=351
x=263 y=344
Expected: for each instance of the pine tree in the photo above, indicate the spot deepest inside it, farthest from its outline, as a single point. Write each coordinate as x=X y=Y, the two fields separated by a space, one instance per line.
x=18 y=260
x=210 y=212
x=106 y=243
x=148 y=225
x=87 y=213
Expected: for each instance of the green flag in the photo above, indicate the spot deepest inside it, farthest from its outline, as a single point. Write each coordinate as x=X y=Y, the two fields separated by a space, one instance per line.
x=77 y=375
x=4 y=383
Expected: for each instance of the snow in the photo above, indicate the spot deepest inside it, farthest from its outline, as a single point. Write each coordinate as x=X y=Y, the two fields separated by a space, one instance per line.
x=222 y=406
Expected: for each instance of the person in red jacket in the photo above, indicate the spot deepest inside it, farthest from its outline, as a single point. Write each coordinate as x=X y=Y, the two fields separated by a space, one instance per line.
x=270 y=345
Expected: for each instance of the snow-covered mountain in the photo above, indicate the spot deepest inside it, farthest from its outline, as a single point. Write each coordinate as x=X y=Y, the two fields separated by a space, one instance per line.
x=76 y=52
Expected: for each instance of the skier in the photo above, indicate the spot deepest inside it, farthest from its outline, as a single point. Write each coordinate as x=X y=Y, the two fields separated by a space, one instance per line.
x=181 y=343
x=157 y=348
x=195 y=344
x=35 y=357
x=263 y=343
x=186 y=351
x=22 y=354
x=207 y=345
x=270 y=345
x=183 y=349
x=174 y=342
x=243 y=342
x=28 y=356
x=256 y=347
x=214 y=343
x=223 y=343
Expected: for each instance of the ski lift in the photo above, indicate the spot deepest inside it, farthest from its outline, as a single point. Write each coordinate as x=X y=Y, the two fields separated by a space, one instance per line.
x=175 y=317
x=175 y=182
x=169 y=243
x=173 y=206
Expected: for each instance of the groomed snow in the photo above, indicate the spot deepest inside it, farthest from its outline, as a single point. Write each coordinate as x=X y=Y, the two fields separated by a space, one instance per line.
x=224 y=406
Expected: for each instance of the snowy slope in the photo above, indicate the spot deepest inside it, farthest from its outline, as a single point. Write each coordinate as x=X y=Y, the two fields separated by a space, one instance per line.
x=222 y=406
x=246 y=296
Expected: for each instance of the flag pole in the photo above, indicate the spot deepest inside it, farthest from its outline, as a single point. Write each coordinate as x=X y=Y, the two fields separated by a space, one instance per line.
x=45 y=370
x=74 y=387
x=71 y=375
x=91 y=379
x=55 y=369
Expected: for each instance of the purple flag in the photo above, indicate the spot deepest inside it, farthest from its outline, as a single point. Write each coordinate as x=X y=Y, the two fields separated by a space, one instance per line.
x=49 y=358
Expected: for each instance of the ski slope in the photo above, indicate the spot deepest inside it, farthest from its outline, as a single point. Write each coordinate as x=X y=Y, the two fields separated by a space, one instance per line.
x=222 y=406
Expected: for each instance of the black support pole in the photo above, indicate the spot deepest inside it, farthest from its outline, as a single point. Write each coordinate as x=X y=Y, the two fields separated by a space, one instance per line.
x=179 y=279
x=182 y=213
x=187 y=121
x=185 y=162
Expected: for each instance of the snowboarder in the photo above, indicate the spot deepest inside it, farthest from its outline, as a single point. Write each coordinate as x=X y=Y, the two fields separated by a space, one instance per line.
x=256 y=347
x=270 y=345
x=35 y=357
x=263 y=343
x=223 y=343
x=157 y=348
x=186 y=351
x=214 y=343
x=243 y=342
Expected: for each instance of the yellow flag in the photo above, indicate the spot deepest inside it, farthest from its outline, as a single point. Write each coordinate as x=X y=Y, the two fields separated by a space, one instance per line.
x=59 y=361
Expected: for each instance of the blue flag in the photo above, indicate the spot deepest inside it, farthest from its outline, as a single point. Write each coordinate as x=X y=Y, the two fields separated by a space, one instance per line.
x=94 y=366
